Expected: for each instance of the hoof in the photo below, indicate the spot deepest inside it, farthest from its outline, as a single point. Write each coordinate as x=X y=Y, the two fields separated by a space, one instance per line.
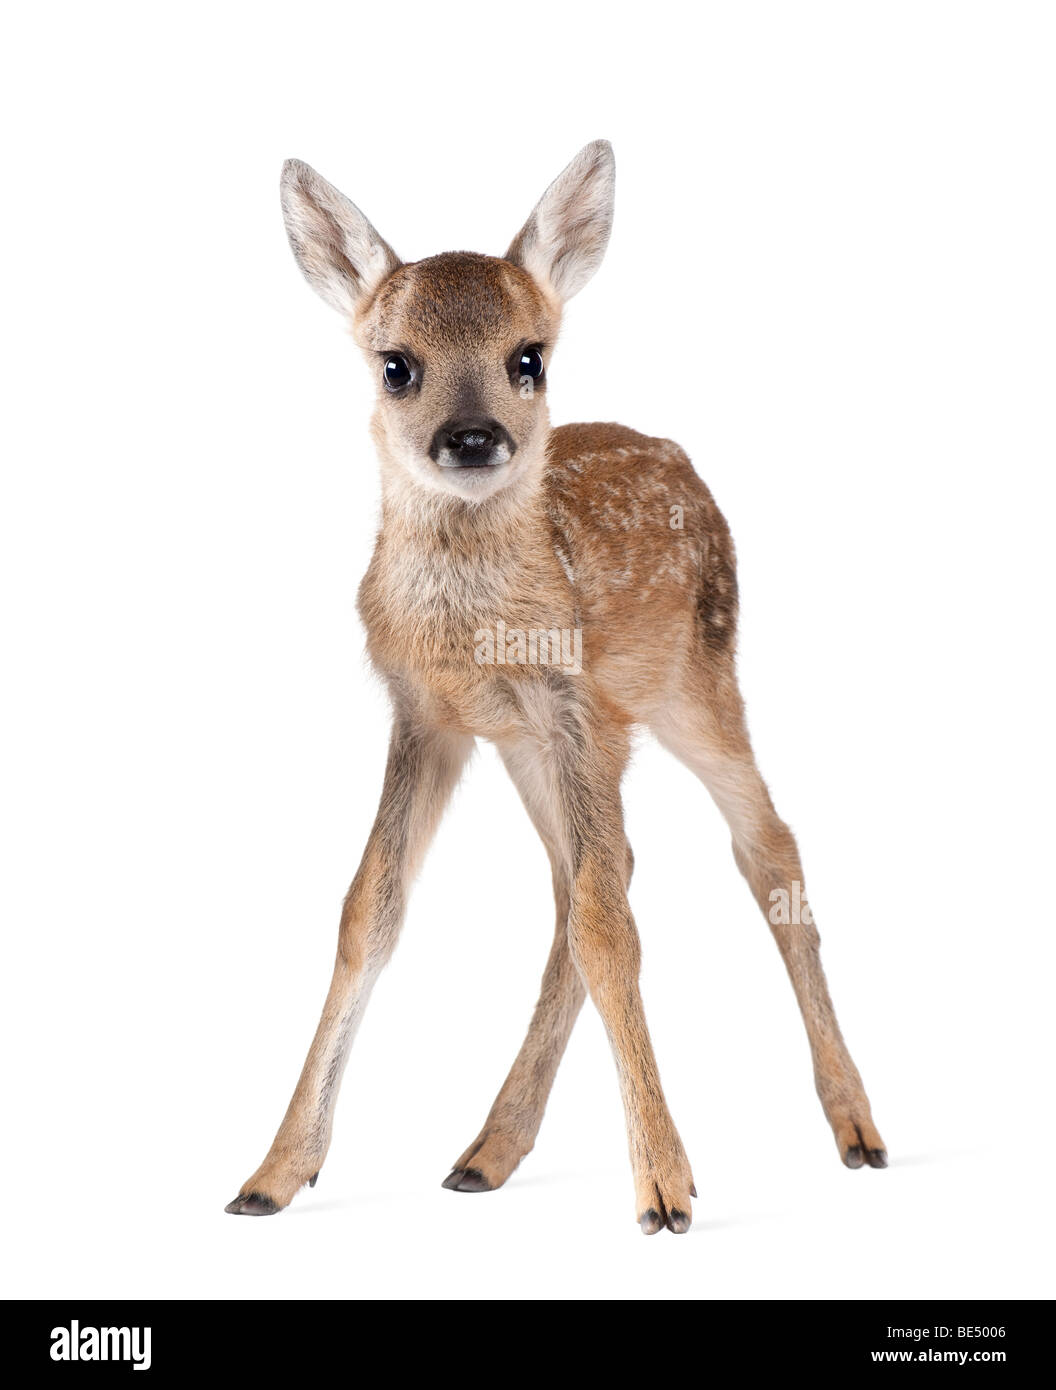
x=466 y=1180
x=858 y=1155
x=252 y=1204
x=651 y=1222
x=678 y=1222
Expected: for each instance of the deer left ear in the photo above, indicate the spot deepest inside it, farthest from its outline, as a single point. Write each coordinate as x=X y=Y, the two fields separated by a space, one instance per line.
x=562 y=243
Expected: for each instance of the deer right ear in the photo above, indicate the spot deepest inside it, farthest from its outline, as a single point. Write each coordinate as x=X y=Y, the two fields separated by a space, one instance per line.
x=562 y=243
x=343 y=258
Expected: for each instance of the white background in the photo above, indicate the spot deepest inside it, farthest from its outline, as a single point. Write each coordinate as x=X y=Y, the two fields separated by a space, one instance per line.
x=832 y=280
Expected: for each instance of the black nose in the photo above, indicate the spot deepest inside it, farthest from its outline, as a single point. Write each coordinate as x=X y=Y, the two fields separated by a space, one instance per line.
x=468 y=443
x=474 y=439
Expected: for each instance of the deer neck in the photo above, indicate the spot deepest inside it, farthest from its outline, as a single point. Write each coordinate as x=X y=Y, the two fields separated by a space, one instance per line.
x=500 y=535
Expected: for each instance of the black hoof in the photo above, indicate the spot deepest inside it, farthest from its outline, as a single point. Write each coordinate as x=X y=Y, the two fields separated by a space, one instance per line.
x=313 y=1179
x=854 y=1157
x=876 y=1158
x=678 y=1221
x=651 y=1222
x=252 y=1204
x=466 y=1180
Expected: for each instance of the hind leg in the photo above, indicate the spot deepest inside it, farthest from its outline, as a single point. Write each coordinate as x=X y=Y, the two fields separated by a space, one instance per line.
x=705 y=728
x=513 y=1122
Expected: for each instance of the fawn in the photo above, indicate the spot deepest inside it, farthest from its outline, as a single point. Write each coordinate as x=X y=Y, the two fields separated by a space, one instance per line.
x=494 y=524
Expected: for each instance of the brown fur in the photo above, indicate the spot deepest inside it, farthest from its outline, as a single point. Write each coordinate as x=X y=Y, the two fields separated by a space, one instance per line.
x=581 y=534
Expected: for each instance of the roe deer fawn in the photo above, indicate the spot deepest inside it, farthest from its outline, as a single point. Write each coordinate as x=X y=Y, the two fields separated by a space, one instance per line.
x=495 y=526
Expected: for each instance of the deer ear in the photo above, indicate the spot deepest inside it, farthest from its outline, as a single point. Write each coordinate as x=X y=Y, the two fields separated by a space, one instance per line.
x=563 y=241
x=342 y=256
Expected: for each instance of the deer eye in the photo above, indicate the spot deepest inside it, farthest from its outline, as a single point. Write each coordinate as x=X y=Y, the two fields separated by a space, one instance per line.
x=531 y=364
x=397 y=372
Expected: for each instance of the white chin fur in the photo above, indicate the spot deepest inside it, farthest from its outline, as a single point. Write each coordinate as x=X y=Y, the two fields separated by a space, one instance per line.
x=459 y=481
